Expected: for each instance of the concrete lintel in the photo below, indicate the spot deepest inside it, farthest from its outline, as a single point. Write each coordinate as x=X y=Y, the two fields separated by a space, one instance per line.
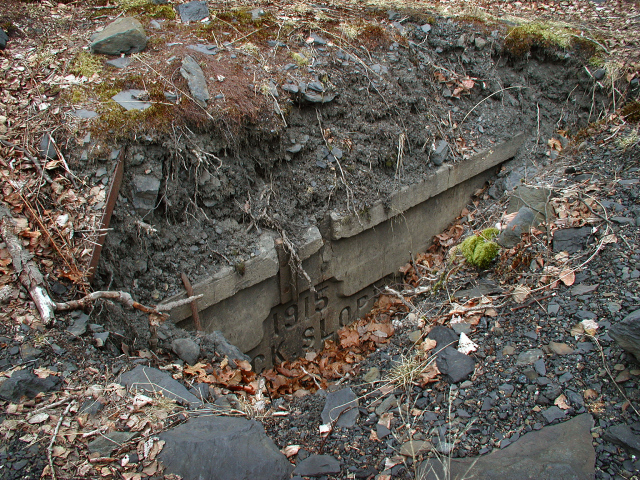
x=445 y=176
x=227 y=282
x=311 y=243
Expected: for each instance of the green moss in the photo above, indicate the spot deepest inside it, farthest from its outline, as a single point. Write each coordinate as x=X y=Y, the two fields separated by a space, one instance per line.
x=521 y=39
x=596 y=61
x=300 y=60
x=240 y=267
x=160 y=11
x=86 y=64
x=479 y=250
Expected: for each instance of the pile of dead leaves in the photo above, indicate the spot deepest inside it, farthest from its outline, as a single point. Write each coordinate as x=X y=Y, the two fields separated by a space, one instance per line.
x=338 y=358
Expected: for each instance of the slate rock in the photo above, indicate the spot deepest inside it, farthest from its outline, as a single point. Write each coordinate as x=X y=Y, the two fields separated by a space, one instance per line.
x=443 y=336
x=454 y=365
x=627 y=333
x=553 y=413
x=186 y=349
x=145 y=193
x=560 y=348
x=47 y=147
x=521 y=223
x=537 y=199
x=124 y=35
x=314 y=97
x=440 y=152
x=571 y=240
x=153 y=380
x=193 y=11
x=529 y=356
x=4 y=38
x=194 y=75
x=24 y=383
x=132 y=99
x=216 y=342
x=206 y=49
x=317 y=466
x=120 y=62
x=222 y=448
x=106 y=444
x=341 y=405
x=556 y=452
x=623 y=435
x=83 y=113
x=412 y=448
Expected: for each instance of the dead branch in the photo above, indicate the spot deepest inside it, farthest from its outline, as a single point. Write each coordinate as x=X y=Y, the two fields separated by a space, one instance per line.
x=53 y=439
x=27 y=270
x=121 y=297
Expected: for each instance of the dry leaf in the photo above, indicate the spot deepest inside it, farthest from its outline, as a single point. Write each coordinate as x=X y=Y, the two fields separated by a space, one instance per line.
x=520 y=293
x=611 y=238
x=590 y=326
x=568 y=277
x=590 y=394
x=428 y=344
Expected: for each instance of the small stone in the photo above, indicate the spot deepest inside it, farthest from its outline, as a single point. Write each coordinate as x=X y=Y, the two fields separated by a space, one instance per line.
x=186 y=349
x=623 y=376
x=194 y=75
x=124 y=35
x=540 y=367
x=480 y=43
x=386 y=404
x=553 y=413
x=412 y=448
x=101 y=338
x=560 y=348
x=508 y=350
x=426 y=28
x=623 y=436
x=193 y=11
x=382 y=431
x=440 y=152
x=317 y=466
x=529 y=356
x=415 y=336
x=454 y=365
x=131 y=99
x=341 y=406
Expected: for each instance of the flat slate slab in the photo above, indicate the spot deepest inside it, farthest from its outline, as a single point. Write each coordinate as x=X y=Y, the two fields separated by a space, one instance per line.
x=341 y=406
x=222 y=448
x=561 y=451
x=153 y=380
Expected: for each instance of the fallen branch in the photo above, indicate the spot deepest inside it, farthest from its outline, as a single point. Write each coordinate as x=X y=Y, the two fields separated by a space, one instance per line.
x=53 y=439
x=27 y=270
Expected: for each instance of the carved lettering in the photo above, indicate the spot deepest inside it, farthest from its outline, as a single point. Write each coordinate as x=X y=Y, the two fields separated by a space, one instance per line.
x=345 y=316
x=362 y=301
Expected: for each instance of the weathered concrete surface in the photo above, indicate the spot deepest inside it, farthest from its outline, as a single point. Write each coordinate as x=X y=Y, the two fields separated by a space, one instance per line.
x=272 y=313
x=561 y=451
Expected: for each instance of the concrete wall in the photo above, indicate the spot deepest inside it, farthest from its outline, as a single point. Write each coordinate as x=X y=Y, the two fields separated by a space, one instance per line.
x=271 y=312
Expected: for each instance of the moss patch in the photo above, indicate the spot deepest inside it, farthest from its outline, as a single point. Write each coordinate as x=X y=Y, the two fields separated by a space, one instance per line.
x=522 y=39
x=480 y=250
x=631 y=112
x=86 y=64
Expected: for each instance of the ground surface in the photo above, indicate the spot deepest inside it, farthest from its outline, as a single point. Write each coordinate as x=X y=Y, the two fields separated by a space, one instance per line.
x=396 y=96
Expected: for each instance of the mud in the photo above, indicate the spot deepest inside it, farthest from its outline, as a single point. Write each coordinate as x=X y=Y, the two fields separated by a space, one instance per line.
x=219 y=189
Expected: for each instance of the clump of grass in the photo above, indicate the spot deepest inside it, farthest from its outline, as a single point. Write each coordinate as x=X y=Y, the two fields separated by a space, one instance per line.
x=631 y=112
x=86 y=64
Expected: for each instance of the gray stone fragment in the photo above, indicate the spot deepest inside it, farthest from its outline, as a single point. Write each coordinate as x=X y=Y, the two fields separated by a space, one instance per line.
x=387 y=403
x=426 y=28
x=290 y=87
x=222 y=448
x=317 y=39
x=256 y=13
x=521 y=223
x=153 y=380
x=120 y=62
x=443 y=336
x=440 y=152
x=125 y=35
x=627 y=333
x=186 y=349
x=216 y=342
x=480 y=43
x=194 y=75
x=193 y=11
x=110 y=442
x=623 y=436
x=319 y=97
x=84 y=113
x=132 y=99
x=454 y=365
x=4 y=38
x=79 y=325
x=145 y=193
x=553 y=413
x=529 y=356
x=23 y=383
x=571 y=240
x=317 y=466
x=101 y=338
x=91 y=407
x=540 y=367
x=47 y=147
x=206 y=49
x=556 y=452
x=343 y=406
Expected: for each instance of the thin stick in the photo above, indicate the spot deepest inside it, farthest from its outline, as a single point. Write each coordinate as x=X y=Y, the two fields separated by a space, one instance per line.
x=193 y=304
x=31 y=158
x=53 y=439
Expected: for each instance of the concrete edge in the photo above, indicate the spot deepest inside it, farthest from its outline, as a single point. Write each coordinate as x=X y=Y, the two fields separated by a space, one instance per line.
x=445 y=177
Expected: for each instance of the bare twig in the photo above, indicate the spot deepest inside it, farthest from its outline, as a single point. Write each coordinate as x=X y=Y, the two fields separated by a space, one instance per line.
x=53 y=439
